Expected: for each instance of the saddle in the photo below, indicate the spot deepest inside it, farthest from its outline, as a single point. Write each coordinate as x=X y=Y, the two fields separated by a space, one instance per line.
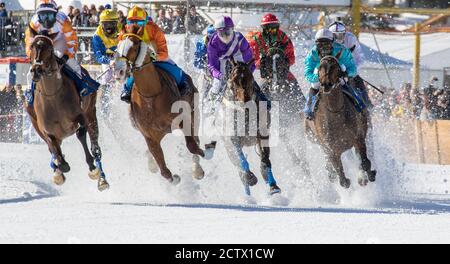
x=177 y=73
x=354 y=94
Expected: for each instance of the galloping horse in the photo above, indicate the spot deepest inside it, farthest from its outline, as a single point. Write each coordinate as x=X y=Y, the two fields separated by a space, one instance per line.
x=153 y=94
x=279 y=88
x=337 y=124
x=238 y=99
x=59 y=112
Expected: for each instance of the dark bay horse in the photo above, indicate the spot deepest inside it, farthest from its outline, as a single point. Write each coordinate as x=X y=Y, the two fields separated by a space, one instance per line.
x=154 y=93
x=337 y=125
x=243 y=117
x=288 y=94
x=59 y=112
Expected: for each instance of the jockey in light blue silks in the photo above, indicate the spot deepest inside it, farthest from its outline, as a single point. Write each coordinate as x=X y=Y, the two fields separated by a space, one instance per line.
x=201 y=61
x=224 y=45
x=325 y=46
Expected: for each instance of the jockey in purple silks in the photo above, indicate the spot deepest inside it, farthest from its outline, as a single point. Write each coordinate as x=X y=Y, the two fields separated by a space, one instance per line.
x=224 y=45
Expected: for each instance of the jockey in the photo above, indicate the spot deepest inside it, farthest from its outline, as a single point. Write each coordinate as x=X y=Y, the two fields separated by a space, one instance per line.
x=347 y=39
x=154 y=37
x=200 y=58
x=49 y=19
x=325 y=46
x=271 y=39
x=226 y=44
x=105 y=41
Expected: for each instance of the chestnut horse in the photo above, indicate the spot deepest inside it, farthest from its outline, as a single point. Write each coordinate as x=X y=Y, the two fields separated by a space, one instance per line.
x=249 y=127
x=337 y=125
x=59 y=112
x=153 y=95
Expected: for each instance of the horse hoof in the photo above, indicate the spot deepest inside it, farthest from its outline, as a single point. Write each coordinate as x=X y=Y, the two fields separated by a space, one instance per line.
x=197 y=172
x=362 y=181
x=274 y=190
x=59 y=178
x=372 y=175
x=64 y=167
x=102 y=184
x=345 y=183
x=95 y=174
x=175 y=179
x=248 y=178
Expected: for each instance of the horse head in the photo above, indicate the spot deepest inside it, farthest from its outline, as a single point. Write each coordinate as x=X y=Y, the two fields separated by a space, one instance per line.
x=42 y=57
x=329 y=73
x=277 y=65
x=131 y=51
x=241 y=80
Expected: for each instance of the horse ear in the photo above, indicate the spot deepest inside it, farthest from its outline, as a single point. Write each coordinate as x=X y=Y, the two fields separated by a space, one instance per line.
x=233 y=62
x=53 y=36
x=251 y=62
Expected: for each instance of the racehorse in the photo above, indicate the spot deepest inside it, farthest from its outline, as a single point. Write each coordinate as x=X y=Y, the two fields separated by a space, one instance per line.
x=153 y=94
x=59 y=112
x=288 y=94
x=238 y=99
x=337 y=125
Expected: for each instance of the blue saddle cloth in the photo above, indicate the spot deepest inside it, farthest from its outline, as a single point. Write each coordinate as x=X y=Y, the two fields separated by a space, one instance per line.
x=176 y=72
x=356 y=96
x=85 y=85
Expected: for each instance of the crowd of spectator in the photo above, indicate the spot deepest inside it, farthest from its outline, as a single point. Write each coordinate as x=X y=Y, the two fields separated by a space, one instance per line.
x=86 y=17
x=174 y=21
x=430 y=102
x=11 y=112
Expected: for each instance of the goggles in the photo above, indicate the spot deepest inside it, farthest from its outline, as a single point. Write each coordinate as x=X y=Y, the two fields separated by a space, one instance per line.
x=272 y=29
x=225 y=32
x=47 y=16
x=140 y=23
x=339 y=36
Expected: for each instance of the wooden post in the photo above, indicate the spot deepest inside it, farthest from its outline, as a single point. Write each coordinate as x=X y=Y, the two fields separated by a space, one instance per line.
x=356 y=17
x=416 y=65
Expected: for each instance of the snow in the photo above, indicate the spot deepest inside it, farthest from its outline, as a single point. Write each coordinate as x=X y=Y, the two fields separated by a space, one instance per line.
x=401 y=207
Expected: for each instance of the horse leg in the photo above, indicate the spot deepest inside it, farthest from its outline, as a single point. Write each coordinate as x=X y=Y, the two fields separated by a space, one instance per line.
x=237 y=157
x=337 y=165
x=266 y=169
x=92 y=128
x=366 y=165
x=58 y=164
x=158 y=154
x=94 y=173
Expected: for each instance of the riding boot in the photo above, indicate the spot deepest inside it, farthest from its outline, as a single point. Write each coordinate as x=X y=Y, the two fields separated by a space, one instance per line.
x=310 y=102
x=126 y=92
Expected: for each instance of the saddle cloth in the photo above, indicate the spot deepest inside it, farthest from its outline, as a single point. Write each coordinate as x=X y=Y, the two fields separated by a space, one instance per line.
x=355 y=96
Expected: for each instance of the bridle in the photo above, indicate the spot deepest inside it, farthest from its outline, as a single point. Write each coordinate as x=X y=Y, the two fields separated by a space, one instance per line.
x=132 y=65
x=37 y=60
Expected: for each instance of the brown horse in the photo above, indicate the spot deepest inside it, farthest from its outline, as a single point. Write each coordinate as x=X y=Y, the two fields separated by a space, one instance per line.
x=337 y=125
x=58 y=111
x=240 y=99
x=154 y=93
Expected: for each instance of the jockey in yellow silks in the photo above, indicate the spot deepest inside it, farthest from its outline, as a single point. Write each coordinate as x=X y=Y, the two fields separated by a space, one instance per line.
x=105 y=41
x=155 y=38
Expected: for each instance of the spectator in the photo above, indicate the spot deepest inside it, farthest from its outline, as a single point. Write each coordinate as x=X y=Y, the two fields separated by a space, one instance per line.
x=416 y=101
x=178 y=22
x=85 y=15
x=93 y=19
x=122 y=18
x=70 y=12
x=443 y=105
x=8 y=110
x=196 y=23
x=3 y=12
x=163 y=22
x=76 y=20
x=100 y=9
